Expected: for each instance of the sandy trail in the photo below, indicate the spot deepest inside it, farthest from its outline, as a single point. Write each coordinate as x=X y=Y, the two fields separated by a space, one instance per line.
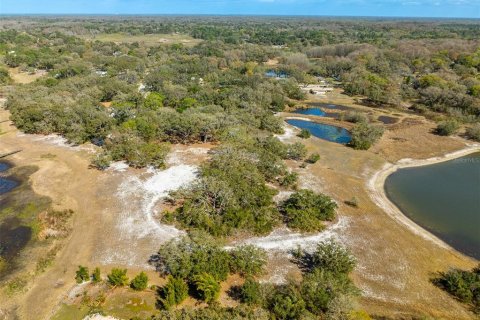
x=376 y=185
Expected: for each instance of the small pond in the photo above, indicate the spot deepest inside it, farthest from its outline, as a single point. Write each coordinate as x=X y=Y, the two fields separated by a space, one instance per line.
x=6 y=184
x=276 y=74
x=444 y=198
x=387 y=119
x=317 y=112
x=330 y=106
x=323 y=131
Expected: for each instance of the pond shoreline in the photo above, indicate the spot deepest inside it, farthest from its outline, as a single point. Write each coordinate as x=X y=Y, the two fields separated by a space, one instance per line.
x=376 y=186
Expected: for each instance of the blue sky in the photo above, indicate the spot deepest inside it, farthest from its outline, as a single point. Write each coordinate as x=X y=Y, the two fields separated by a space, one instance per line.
x=403 y=8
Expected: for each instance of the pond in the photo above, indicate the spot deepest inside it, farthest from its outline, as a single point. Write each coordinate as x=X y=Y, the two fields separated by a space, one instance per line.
x=330 y=106
x=276 y=74
x=387 y=119
x=6 y=184
x=317 y=112
x=323 y=131
x=444 y=198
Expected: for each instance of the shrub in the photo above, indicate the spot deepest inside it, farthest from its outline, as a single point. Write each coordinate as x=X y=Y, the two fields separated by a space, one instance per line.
x=154 y=101
x=191 y=255
x=313 y=158
x=306 y=210
x=354 y=117
x=304 y=134
x=329 y=256
x=462 y=284
x=365 y=135
x=140 y=282
x=96 y=276
x=207 y=287
x=320 y=287
x=289 y=180
x=473 y=132
x=286 y=303
x=296 y=151
x=173 y=293
x=118 y=277
x=251 y=292
x=447 y=128
x=352 y=202
x=101 y=161
x=248 y=260
x=82 y=274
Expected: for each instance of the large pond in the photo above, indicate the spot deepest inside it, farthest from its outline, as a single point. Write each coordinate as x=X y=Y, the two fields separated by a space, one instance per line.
x=5 y=183
x=443 y=198
x=323 y=131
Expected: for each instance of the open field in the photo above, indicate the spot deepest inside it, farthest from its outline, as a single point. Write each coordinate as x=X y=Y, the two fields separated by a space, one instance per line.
x=147 y=39
x=25 y=77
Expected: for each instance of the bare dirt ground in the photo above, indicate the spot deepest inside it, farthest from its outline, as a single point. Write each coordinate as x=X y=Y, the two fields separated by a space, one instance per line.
x=25 y=77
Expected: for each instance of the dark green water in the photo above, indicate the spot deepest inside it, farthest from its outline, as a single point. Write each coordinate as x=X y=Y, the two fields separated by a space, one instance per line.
x=443 y=198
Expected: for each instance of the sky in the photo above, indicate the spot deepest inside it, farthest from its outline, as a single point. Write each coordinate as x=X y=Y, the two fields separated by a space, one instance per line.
x=383 y=8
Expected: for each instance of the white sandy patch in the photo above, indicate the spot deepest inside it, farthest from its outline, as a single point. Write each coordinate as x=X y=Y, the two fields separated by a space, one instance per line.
x=119 y=166
x=59 y=141
x=282 y=196
x=298 y=118
x=290 y=132
x=138 y=234
x=284 y=239
x=376 y=185
x=99 y=317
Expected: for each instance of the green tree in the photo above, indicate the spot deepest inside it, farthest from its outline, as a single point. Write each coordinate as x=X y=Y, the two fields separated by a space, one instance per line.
x=82 y=274
x=286 y=303
x=365 y=135
x=447 y=128
x=248 y=260
x=154 y=101
x=140 y=282
x=304 y=134
x=329 y=256
x=251 y=292
x=173 y=293
x=118 y=277
x=207 y=287
x=96 y=276
x=305 y=210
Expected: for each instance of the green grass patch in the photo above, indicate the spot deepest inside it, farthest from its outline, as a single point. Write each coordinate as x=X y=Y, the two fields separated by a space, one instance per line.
x=71 y=312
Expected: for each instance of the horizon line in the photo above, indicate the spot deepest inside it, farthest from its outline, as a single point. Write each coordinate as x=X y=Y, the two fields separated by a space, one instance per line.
x=232 y=15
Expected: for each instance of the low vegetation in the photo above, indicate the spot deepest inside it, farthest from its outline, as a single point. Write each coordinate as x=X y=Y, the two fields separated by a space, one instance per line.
x=463 y=285
x=140 y=282
x=447 y=128
x=305 y=210
x=364 y=135
x=232 y=192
